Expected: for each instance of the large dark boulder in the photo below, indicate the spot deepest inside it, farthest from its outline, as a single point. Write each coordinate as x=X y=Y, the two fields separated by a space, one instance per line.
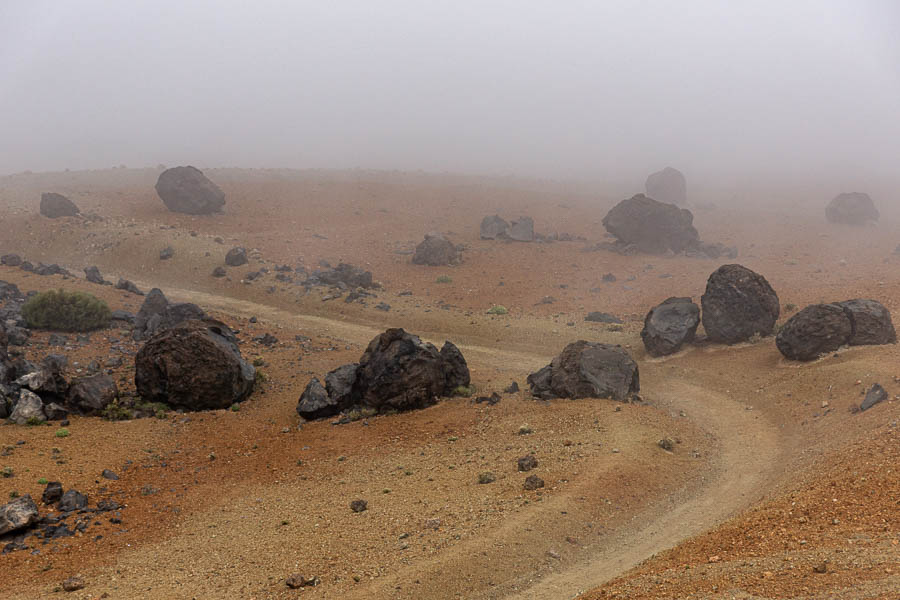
x=315 y=403
x=493 y=227
x=738 y=304
x=399 y=371
x=871 y=322
x=521 y=230
x=668 y=186
x=587 y=370
x=55 y=205
x=236 y=257
x=436 y=251
x=815 y=330
x=670 y=325
x=90 y=395
x=344 y=275
x=21 y=513
x=456 y=370
x=187 y=190
x=651 y=226
x=195 y=365
x=93 y=275
x=853 y=208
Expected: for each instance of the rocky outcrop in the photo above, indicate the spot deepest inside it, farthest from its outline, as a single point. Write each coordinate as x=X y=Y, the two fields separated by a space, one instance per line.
x=55 y=205
x=650 y=226
x=667 y=186
x=398 y=371
x=738 y=304
x=194 y=365
x=670 y=325
x=436 y=251
x=588 y=370
x=188 y=190
x=853 y=208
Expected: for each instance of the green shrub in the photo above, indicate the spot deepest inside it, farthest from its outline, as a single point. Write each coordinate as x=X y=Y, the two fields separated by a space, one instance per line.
x=444 y=279
x=61 y=433
x=497 y=310
x=65 y=311
x=465 y=391
x=790 y=307
x=43 y=481
x=114 y=412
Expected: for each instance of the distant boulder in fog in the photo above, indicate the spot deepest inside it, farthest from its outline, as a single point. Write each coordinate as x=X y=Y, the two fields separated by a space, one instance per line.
x=854 y=208
x=436 y=251
x=55 y=205
x=188 y=190
x=650 y=226
x=668 y=185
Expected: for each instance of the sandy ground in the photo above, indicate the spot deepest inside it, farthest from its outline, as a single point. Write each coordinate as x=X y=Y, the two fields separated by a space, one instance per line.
x=228 y=504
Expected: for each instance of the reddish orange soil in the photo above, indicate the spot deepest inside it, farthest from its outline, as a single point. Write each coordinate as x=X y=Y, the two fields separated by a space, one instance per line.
x=228 y=504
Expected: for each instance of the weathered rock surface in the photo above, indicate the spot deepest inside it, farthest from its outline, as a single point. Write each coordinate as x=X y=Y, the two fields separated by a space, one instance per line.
x=738 y=304
x=521 y=230
x=55 y=205
x=157 y=314
x=236 y=257
x=493 y=227
x=852 y=208
x=871 y=321
x=188 y=190
x=668 y=185
x=875 y=395
x=587 y=370
x=72 y=500
x=436 y=251
x=29 y=408
x=91 y=394
x=21 y=513
x=815 y=330
x=315 y=403
x=195 y=365
x=456 y=370
x=670 y=325
x=651 y=226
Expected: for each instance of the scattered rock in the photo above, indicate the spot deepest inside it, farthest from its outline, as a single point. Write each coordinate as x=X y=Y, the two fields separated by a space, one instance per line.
x=236 y=257
x=123 y=316
x=813 y=331
x=875 y=395
x=383 y=307
x=489 y=400
x=73 y=583
x=668 y=186
x=55 y=205
x=486 y=477
x=587 y=370
x=128 y=286
x=52 y=493
x=297 y=581
x=267 y=339
x=72 y=500
x=853 y=208
x=315 y=403
x=436 y=251
x=166 y=253
x=359 y=506
x=107 y=474
x=651 y=226
x=667 y=444
x=344 y=276
x=527 y=463
x=533 y=482
x=738 y=304
x=21 y=513
x=493 y=227
x=93 y=275
x=670 y=325
x=512 y=388
x=11 y=260
x=157 y=314
x=195 y=365
x=188 y=190
x=219 y=272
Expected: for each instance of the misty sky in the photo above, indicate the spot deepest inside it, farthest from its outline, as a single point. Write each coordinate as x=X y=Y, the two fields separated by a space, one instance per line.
x=559 y=89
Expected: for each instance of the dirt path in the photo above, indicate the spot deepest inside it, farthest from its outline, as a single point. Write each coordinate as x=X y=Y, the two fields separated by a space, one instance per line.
x=749 y=452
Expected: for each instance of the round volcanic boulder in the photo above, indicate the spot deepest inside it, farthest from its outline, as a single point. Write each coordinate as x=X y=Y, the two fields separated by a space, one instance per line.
x=651 y=226
x=587 y=370
x=55 y=205
x=815 y=330
x=188 y=190
x=668 y=186
x=871 y=322
x=738 y=304
x=436 y=251
x=854 y=208
x=670 y=325
x=399 y=371
x=493 y=227
x=195 y=365
x=236 y=257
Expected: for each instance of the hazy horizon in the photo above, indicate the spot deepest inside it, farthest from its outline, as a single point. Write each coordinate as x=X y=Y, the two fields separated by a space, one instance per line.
x=617 y=90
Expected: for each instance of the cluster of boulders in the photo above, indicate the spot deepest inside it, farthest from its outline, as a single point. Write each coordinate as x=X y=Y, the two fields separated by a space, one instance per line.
x=494 y=227
x=822 y=328
x=738 y=304
x=854 y=208
x=187 y=190
x=14 y=260
x=70 y=515
x=588 y=370
x=437 y=251
x=397 y=372
x=642 y=224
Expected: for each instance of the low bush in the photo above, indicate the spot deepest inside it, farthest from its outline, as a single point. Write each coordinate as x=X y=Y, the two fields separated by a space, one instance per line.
x=63 y=310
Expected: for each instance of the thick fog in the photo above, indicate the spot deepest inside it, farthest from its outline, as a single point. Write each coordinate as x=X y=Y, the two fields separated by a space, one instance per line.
x=543 y=89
